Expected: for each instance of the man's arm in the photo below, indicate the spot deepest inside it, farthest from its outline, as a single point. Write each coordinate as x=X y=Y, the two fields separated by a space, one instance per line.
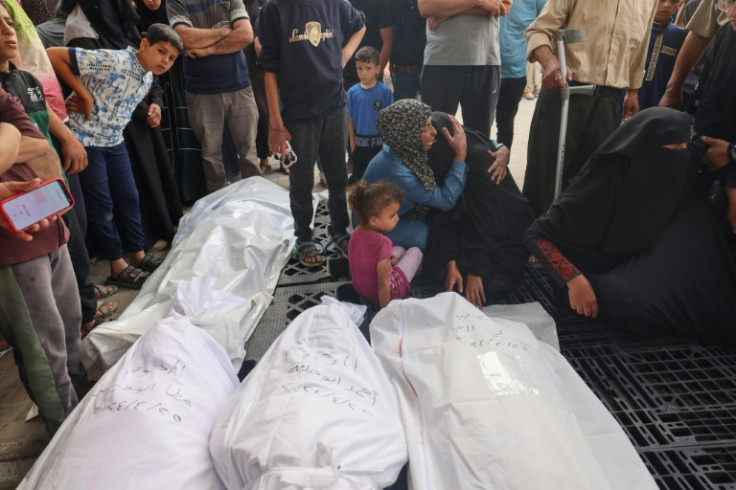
x=10 y=139
x=387 y=36
x=74 y=154
x=351 y=133
x=31 y=148
x=278 y=134
x=353 y=42
x=690 y=53
x=239 y=37
x=636 y=63
x=196 y=38
x=551 y=73
x=444 y=9
x=543 y=33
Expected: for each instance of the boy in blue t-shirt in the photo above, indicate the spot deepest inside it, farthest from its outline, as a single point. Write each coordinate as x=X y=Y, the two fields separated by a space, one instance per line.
x=108 y=85
x=304 y=47
x=365 y=101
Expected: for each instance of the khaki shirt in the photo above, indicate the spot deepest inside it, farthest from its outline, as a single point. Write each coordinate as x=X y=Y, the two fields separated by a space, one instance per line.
x=707 y=19
x=617 y=36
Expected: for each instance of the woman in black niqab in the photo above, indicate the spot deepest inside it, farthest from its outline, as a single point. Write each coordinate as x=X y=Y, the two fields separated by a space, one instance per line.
x=628 y=241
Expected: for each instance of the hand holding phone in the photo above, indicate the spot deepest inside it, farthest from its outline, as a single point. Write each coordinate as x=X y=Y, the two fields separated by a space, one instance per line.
x=29 y=206
x=289 y=157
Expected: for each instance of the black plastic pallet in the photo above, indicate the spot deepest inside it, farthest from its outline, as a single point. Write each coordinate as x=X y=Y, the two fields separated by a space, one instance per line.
x=667 y=396
x=693 y=468
x=288 y=303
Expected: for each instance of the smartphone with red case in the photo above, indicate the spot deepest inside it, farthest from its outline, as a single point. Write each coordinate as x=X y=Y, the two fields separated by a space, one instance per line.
x=28 y=208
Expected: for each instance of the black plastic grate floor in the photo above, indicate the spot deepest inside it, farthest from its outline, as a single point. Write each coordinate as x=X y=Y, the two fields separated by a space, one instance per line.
x=705 y=467
x=674 y=398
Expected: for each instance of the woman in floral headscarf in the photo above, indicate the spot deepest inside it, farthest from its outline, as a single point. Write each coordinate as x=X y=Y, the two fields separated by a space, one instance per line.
x=407 y=133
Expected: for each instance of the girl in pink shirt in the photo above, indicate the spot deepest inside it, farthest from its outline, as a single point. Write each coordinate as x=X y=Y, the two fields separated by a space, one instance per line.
x=379 y=271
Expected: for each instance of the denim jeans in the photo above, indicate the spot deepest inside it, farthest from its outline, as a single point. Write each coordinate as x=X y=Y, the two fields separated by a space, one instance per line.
x=108 y=183
x=406 y=85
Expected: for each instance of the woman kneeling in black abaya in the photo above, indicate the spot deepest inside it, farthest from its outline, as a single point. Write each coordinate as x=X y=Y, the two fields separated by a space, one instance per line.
x=629 y=242
x=477 y=246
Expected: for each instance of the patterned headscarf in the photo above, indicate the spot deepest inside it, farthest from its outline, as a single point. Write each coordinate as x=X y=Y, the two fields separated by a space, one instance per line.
x=400 y=126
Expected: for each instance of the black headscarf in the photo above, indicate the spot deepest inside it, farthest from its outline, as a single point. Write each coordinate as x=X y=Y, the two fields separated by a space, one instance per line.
x=496 y=208
x=148 y=16
x=625 y=194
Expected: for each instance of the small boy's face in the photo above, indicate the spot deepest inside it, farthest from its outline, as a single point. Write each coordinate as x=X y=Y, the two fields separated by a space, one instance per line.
x=367 y=72
x=8 y=39
x=665 y=9
x=157 y=58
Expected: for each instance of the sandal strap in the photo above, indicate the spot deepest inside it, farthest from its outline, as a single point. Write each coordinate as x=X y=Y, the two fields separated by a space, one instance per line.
x=337 y=240
x=308 y=250
x=108 y=308
x=131 y=273
x=308 y=243
x=150 y=262
x=104 y=291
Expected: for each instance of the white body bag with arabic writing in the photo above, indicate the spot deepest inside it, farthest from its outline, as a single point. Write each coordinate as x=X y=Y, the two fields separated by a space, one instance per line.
x=487 y=406
x=146 y=423
x=316 y=412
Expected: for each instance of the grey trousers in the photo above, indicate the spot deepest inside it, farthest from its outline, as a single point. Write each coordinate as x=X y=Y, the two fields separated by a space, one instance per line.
x=40 y=316
x=208 y=114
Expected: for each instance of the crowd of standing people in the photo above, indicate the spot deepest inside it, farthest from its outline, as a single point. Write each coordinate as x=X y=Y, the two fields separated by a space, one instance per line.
x=139 y=105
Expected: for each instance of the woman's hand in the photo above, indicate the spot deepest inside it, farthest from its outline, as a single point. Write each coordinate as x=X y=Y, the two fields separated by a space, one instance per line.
x=717 y=154
x=582 y=297
x=474 y=291
x=453 y=277
x=456 y=140
x=499 y=168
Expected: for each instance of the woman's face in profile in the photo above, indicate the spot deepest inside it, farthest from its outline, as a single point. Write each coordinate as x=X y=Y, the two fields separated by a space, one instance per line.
x=428 y=135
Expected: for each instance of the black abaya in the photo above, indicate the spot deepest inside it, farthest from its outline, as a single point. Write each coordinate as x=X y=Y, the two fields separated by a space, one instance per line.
x=654 y=258
x=484 y=232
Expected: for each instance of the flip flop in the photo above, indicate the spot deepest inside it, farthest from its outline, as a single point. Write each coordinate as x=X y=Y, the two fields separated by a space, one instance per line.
x=106 y=310
x=341 y=243
x=308 y=250
x=103 y=291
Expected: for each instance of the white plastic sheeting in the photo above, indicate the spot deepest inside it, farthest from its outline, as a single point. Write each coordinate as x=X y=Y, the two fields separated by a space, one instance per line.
x=146 y=423
x=486 y=405
x=240 y=237
x=533 y=315
x=316 y=412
